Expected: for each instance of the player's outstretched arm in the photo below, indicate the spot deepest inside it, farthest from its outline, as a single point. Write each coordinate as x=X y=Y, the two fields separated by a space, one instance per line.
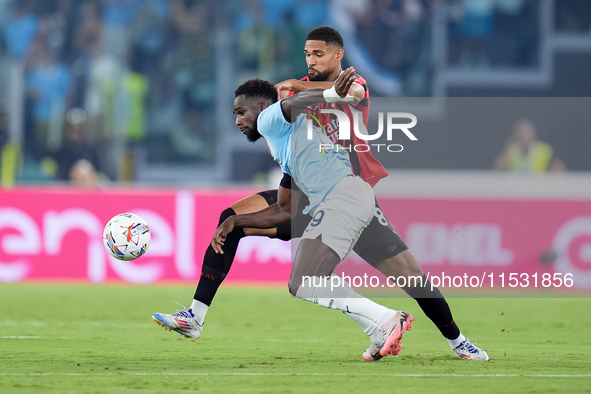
x=295 y=104
x=270 y=217
x=295 y=85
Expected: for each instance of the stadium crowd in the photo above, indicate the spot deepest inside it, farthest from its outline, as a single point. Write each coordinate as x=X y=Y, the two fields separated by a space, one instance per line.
x=146 y=72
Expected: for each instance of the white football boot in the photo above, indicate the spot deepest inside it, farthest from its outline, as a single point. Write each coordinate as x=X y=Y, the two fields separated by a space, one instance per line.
x=467 y=351
x=183 y=322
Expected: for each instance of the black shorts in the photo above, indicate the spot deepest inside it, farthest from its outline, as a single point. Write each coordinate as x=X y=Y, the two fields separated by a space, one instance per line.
x=379 y=240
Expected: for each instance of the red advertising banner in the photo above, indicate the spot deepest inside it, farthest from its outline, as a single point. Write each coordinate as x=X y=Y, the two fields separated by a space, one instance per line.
x=498 y=243
x=56 y=234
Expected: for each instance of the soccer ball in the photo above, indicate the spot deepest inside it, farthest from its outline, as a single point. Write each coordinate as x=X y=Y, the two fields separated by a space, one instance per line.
x=126 y=236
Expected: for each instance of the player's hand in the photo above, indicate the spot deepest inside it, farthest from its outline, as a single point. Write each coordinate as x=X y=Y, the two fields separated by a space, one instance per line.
x=344 y=81
x=286 y=87
x=220 y=235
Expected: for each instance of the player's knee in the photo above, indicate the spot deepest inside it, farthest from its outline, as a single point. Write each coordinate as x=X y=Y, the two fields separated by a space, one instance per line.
x=238 y=232
x=293 y=291
x=226 y=214
x=293 y=286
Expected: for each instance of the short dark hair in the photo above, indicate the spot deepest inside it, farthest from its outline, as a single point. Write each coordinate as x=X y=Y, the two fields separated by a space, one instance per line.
x=329 y=35
x=257 y=88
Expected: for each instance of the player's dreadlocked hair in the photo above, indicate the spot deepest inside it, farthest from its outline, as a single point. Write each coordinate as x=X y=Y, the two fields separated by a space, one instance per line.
x=257 y=88
x=329 y=35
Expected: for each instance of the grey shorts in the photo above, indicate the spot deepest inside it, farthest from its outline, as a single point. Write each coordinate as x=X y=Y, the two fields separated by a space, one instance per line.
x=343 y=214
x=378 y=242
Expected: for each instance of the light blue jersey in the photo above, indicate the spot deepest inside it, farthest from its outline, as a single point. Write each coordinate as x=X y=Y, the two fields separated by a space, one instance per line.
x=314 y=172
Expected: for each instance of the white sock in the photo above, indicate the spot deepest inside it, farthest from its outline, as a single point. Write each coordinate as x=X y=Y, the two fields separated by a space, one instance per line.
x=199 y=309
x=454 y=343
x=366 y=313
x=371 y=328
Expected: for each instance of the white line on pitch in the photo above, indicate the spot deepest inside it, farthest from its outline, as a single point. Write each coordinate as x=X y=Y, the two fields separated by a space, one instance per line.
x=292 y=340
x=88 y=323
x=119 y=325
x=19 y=337
x=402 y=375
x=22 y=323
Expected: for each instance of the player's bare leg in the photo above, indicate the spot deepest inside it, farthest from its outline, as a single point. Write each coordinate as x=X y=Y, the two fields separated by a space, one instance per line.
x=402 y=265
x=251 y=204
x=431 y=302
x=313 y=258
x=311 y=279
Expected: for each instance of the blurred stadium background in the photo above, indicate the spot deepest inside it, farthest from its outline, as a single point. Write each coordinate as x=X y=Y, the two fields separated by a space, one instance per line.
x=147 y=85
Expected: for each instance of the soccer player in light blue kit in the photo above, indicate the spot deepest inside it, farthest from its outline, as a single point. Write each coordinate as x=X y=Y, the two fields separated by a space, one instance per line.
x=379 y=244
x=341 y=205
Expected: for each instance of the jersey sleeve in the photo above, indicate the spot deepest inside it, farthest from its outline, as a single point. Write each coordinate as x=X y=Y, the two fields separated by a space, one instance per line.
x=285 y=181
x=272 y=122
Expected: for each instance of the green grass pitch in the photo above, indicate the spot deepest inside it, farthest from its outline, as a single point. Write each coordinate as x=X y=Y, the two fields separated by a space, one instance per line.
x=101 y=339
